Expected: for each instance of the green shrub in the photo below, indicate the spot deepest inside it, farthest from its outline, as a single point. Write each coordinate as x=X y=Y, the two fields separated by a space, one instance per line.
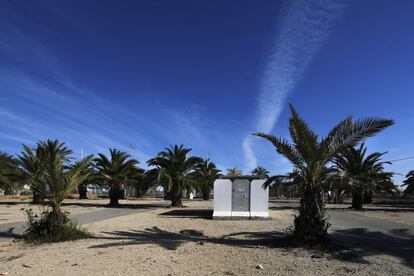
x=43 y=228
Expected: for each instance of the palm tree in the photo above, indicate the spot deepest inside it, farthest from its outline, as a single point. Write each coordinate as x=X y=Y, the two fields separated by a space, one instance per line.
x=204 y=175
x=290 y=182
x=409 y=182
x=59 y=177
x=234 y=172
x=260 y=172
x=115 y=172
x=172 y=168
x=32 y=162
x=136 y=181
x=88 y=170
x=10 y=174
x=364 y=174
x=309 y=156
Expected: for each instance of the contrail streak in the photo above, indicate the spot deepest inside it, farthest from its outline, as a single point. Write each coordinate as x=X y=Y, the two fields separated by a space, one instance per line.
x=300 y=35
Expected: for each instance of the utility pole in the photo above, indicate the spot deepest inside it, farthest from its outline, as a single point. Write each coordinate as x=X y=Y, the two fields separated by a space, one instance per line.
x=133 y=148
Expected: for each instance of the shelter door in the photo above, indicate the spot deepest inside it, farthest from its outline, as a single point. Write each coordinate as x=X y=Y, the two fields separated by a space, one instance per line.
x=240 y=195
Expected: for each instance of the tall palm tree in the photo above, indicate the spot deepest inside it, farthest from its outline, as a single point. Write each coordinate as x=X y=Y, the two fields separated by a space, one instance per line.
x=364 y=174
x=309 y=156
x=115 y=172
x=173 y=167
x=204 y=175
x=409 y=182
x=260 y=172
x=234 y=172
x=32 y=162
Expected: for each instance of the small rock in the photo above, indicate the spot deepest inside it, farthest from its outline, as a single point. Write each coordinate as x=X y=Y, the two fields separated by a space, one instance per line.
x=259 y=266
x=28 y=266
x=75 y=264
x=4 y=273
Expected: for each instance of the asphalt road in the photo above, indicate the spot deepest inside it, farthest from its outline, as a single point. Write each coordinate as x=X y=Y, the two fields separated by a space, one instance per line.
x=11 y=230
x=343 y=219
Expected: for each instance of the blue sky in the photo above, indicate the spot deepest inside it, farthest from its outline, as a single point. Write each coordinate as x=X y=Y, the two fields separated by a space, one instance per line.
x=100 y=74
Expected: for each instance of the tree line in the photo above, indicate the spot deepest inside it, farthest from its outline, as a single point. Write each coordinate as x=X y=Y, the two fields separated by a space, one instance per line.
x=335 y=163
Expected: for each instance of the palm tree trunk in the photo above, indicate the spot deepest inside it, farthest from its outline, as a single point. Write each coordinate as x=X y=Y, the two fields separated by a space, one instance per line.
x=57 y=217
x=38 y=198
x=357 y=198
x=138 y=192
x=206 y=195
x=176 y=201
x=175 y=195
x=114 y=193
x=83 y=192
x=311 y=224
x=336 y=196
x=368 y=195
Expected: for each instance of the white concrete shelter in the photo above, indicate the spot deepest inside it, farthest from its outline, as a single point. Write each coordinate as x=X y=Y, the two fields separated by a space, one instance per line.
x=240 y=197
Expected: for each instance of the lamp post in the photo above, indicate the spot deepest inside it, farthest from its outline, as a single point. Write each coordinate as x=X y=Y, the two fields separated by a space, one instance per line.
x=133 y=147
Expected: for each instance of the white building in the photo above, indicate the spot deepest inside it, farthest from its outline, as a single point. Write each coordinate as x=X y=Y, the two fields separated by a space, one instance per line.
x=240 y=197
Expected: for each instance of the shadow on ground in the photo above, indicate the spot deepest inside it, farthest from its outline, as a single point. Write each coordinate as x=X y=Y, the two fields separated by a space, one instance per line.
x=280 y=208
x=10 y=234
x=360 y=242
x=125 y=206
x=189 y=213
x=172 y=240
x=398 y=243
x=14 y=202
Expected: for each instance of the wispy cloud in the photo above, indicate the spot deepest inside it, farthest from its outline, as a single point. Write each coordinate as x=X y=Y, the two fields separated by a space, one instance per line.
x=301 y=32
x=249 y=156
x=187 y=125
x=71 y=112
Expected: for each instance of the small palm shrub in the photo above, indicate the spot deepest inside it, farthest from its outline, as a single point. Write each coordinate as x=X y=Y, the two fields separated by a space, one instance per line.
x=54 y=179
x=43 y=228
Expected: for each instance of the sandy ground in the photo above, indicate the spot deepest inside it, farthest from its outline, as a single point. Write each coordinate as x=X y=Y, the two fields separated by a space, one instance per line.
x=170 y=241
